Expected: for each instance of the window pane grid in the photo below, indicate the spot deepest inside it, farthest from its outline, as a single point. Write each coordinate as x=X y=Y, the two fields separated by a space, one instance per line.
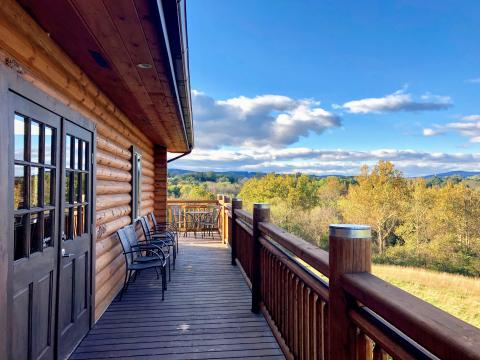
x=34 y=185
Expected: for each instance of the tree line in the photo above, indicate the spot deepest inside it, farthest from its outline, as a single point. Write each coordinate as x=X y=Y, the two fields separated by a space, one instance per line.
x=415 y=222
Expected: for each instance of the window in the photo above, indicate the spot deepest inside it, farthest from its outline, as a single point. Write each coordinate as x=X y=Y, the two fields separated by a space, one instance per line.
x=77 y=170
x=136 y=182
x=34 y=185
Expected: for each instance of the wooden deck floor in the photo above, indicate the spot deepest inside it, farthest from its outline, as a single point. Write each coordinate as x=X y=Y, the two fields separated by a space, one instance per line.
x=206 y=314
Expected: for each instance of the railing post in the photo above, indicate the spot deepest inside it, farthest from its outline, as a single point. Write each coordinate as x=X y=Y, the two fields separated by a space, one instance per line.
x=236 y=204
x=349 y=252
x=226 y=200
x=261 y=213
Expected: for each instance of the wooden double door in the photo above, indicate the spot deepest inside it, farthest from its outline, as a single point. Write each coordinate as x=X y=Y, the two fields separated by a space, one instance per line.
x=49 y=294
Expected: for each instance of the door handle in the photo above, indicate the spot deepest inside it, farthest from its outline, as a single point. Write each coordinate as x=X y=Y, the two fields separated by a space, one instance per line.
x=65 y=254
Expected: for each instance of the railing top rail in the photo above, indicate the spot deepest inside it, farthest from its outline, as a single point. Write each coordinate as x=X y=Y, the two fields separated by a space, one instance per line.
x=182 y=201
x=437 y=331
x=311 y=254
x=245 y=216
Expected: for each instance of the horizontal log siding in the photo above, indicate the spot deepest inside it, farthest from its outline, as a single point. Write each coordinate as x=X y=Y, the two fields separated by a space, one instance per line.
x=47 y=67
x=160 y=184
x=114 y=211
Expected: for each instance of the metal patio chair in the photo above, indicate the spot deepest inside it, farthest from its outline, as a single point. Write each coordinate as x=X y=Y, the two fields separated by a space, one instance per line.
x=164 y=226
x=161 y=238
x=136 y=262
x=210 y=222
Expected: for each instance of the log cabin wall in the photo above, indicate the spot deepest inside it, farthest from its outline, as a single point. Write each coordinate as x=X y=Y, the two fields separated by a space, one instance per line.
x=160 y=183
x=29 y=51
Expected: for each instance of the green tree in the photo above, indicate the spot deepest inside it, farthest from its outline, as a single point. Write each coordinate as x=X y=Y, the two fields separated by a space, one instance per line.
x=377 y=200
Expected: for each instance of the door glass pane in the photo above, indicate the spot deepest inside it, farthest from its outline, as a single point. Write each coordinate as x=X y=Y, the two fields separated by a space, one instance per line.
x=68 y=224
x=75 y=153
x=67 y=187
x=84 y=156
x=47 y=187
x=68 y=145
x=47 y=228
x=76 y=187
x=19 y=188
x=19 y=131
x=80 y=154
x=35 y=142
x=19 y=248
x=84 y=188
x=34 y=187
x=75 y=222
x=48 y=145
x=35 y=233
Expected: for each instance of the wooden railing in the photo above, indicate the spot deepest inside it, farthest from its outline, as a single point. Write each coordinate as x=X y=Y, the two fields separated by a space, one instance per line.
x=177 y=210
x=328 y=305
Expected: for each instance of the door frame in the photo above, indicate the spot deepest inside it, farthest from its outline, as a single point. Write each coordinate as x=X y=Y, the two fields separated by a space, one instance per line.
x=11 y=80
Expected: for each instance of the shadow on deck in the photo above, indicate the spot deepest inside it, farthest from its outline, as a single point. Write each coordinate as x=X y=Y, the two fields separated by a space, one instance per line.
x=206 y=314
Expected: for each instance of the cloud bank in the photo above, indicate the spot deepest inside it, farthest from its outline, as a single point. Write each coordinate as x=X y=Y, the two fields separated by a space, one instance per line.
x=272 y=120
x=468 y=126
x=325 y=162
x=396 y=102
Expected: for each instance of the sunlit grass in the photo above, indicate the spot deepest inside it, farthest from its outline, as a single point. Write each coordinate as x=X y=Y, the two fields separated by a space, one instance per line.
x=456 y=294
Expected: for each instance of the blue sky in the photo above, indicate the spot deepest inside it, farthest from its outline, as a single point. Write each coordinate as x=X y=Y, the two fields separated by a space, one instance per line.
x=325 y=86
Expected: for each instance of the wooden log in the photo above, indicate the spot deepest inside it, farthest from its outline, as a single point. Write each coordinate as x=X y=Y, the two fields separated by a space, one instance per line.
x=106 y=159
x=110 y=214
x=112 y=187
x=108 y=257
x=148 y=181
x=106 y=173
x=106 y=244
x=147 y=203
x=107 y=293
x=112 y=148
x=147 y=196
x=146 y=210
x=147 y=172
x=110 y=201
x=349 y=252
x=148 y=188
x=109 y=228
x=109 y=271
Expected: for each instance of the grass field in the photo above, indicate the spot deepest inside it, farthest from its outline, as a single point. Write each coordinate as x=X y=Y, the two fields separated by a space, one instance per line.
x=456 y=294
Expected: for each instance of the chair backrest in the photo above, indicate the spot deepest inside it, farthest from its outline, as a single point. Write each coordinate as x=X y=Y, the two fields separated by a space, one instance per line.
x=131 y=235
x=122 y=236
x=154 y=221
x=145 y=227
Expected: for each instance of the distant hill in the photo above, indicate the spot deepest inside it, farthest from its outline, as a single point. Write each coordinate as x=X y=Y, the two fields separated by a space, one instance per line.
x=236 y=174
x=463 y=174
x=250 y=174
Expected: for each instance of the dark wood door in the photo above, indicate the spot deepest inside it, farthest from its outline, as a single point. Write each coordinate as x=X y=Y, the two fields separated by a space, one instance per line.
x=74 y=298
x=33 y=249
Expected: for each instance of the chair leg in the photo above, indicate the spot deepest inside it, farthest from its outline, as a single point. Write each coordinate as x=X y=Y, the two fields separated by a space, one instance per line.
x=169 y=270
x=163 y=283
x=156 y=270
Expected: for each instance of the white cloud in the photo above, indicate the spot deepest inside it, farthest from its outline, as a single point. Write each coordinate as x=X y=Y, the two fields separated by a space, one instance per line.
x=398 y=101
x=273 y=120
x=474 y=80
x=468 y=126
x=325 y=162
x=431 y=132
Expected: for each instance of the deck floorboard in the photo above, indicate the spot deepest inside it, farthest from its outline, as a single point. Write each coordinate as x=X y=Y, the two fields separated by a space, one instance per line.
x=206 y=314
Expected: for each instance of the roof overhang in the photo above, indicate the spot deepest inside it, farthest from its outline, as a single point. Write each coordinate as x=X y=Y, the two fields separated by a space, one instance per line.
x=136 y=52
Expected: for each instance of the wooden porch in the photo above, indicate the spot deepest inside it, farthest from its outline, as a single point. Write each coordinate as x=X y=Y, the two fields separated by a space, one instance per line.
x=206 y=313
